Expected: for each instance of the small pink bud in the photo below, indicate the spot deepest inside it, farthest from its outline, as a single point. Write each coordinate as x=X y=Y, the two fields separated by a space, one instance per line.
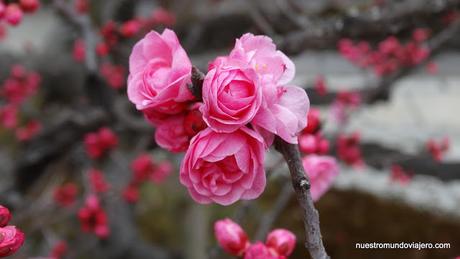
x=231 y=237
x=5 y=216
x=13 y=14
x=282 y=241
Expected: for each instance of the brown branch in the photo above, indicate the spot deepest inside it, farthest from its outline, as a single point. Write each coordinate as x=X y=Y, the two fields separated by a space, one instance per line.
x=301 y=185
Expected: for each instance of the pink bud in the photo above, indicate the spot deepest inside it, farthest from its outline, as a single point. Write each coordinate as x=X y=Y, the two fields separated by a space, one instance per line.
x=261 y=251
x=11 y=239
x=282 y=241
x=5 y=216
x=231 y=237
x=2 y=9
x=29 y=6
x=13 y=14
x=308 y=143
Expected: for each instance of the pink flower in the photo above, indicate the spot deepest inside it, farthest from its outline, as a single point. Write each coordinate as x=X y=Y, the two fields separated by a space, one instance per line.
x=13 y=14
x=59 y=250
x=131 y=193
x=170 y=134
x=231 y=237
x=65 y=195
x=5 y=216
x=282 y=241
x=398 y=174
x=261 y=54
x=142 y=167
x=113 y=74
x=159 y=73
x=232 y=95
x=224 y=167
x=261 y=251
x=130 y=28
x=322 y=170
x=93 y=218
x=9 y=116
x=31 y=129
x=161 y=172
x=98 y=182
x=29 y=6
x=163 y=16
x=79 y=51
x=11 y=239
x=283 y=112
x=2 y=9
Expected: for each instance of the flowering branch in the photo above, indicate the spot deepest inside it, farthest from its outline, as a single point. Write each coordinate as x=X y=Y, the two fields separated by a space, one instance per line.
x=301 y=185
x=300 y=182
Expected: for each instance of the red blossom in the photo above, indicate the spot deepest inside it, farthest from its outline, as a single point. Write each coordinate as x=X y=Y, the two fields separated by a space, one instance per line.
x=59 y=250
x=98 y=143
x=66 y=194
x=97 y=181
x=349 y=150
x=79 y=51
x=320 y=85
x=398 y=174
x=113 y=74
x=93 y=218
x=31 y=129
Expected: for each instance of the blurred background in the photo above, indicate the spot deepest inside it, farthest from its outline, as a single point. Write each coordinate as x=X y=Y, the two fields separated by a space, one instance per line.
x=383 y=74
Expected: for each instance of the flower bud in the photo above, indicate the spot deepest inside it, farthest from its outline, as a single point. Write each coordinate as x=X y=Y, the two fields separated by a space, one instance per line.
x=282 y=241
x=13 y=14
x=29 y=6
x=231 y=237
x=11 y=239
x=261 y=251
x=5 y=216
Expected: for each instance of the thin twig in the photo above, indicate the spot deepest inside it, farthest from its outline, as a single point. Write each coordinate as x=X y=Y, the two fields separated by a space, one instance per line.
x=301 y=184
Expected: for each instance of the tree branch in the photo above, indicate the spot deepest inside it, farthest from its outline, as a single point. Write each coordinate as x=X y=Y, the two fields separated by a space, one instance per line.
x=301 y=185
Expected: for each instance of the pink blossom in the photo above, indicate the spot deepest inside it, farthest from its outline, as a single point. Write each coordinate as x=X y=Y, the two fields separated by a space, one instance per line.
x=283 y=109
x=59 y=250
x=2 y=9
x=170 y=134
x=29 y=6
x=8 y=116
x=13 y=14
x=232 y=95
x=231 y=237
x=31 y=129
x=79 y=51
x=283 y=112
x=398 y=174
x=282 y=241
x=349 y=150
x=163 y=16
x=320 y=85
x=261 y=251
x=159 y=73
x=224 y=167
x=131 y=193
x=65 y=195
x=322 y=170
x=11 y=239
x=261 y=54
x=98 y=182
x=5 y=216
x=113 y=74
x=161 y=172
x=93 y=218
x=130 y=28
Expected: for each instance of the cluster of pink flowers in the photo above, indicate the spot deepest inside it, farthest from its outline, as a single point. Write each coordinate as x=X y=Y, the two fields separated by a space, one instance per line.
x=349 y=150
x=247 y=100
x=399 y=175
x=97 y=181
x=320 y=85
x=15 y=90
x=11 y=238
x=99 y=143
x=344 y=104
x=93 y=217
x=280 y=243
x=320 y=168
x=144 y=170
x=12 y=12
x=111 y=34
x=437 y=149
x=390 y=55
